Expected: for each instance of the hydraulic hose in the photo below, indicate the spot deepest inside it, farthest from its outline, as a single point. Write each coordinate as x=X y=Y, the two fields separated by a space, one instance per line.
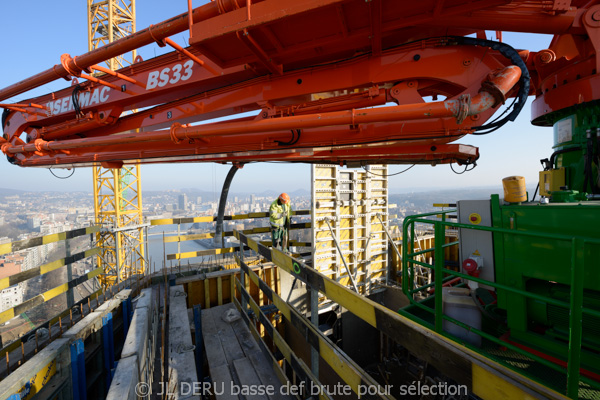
x=524 y=82
x=218 y=239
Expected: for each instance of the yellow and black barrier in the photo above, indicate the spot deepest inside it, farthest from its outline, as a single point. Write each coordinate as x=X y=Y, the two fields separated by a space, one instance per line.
x=229 y=250
x=452 y=205
x=266 y=229
x=32 y=377
x=482 y=376
x=263 y=347
x=192 y=220
x=46 y=296
x=299 y=366
x=201 y=253
x=52 y=238
x=16 y=344
x=44 y=269
x=352 y=374
x=294 y=243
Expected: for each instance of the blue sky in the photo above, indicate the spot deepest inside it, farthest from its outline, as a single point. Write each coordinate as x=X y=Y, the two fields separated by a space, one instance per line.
x=36 y=35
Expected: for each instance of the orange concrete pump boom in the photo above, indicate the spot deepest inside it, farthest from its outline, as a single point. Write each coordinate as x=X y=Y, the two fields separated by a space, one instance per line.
x=311 y=71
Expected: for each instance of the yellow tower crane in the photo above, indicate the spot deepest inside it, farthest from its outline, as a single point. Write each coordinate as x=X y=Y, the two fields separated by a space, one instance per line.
x=117 y=191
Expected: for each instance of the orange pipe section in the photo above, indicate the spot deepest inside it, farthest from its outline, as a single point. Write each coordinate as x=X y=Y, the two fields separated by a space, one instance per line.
x=190 y=18
x=118 y=75
x=508 y=19
x=190 y=55
x=502 y=81
x=3 y=105
x=158 y=32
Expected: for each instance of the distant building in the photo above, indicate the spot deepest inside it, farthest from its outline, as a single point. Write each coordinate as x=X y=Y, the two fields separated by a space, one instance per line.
x=183 y=202
x=33 y=223
x=11 y=297
x=10 y=266
x=199 y=200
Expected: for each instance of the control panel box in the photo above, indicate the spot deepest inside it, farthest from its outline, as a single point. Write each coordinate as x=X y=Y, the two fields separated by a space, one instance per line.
x=476 y=245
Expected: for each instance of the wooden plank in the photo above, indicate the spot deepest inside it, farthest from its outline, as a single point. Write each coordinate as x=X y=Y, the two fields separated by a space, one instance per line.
x=265 y=351
x=222 y=380
x=206 y=294
x=247 y=377
x=263 y=368
x=220 y=291
x=229 y=341
x=266 y=374
x=244 y=337
x=214 y=350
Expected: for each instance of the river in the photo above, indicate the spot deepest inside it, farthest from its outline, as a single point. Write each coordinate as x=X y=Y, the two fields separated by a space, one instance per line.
x=157 y=254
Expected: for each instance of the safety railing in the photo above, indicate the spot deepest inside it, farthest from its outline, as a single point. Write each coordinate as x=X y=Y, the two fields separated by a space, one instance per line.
x=79 y=359
x=442 y=275
x=450 y=358
x=409 y=255
x=226 y=253
x=53 y=284
x=349 y=372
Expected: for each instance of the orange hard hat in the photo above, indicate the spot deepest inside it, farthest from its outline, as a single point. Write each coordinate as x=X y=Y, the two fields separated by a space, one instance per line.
x=284 y=198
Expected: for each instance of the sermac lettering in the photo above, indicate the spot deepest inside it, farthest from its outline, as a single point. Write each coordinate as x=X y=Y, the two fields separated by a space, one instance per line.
x=86 y=99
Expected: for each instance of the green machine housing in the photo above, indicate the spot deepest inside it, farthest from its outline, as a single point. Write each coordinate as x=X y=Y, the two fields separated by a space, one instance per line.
x=544 y=265
x=563 y=261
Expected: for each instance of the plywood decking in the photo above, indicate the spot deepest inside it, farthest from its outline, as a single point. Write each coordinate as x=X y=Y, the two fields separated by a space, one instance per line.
x=235 y=359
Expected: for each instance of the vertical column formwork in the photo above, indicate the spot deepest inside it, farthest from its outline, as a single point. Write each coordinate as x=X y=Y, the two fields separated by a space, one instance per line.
x=117 y=192
x=347 y=206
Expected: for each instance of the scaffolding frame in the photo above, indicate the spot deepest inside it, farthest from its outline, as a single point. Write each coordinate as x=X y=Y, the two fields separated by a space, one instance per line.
x=110 y=20
x=118 y=209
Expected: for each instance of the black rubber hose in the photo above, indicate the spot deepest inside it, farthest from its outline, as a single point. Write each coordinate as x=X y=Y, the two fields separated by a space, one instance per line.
x=218 y=239
x=5 y=114
x=75 y=100
x=559 y=152
x=524 y=82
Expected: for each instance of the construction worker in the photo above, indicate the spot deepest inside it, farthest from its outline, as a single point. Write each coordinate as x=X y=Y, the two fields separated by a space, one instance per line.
x=280 y=216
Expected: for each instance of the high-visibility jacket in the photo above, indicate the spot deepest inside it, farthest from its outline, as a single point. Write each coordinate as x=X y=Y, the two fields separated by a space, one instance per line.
x=278 y=214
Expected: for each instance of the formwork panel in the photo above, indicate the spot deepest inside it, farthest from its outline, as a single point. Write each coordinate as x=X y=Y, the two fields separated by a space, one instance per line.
x=349 y=206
